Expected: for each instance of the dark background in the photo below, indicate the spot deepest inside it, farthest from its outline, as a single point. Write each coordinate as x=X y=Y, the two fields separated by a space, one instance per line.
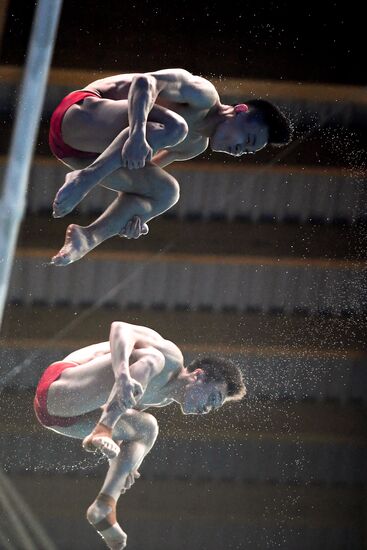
x=299 y=41
x=285 y=468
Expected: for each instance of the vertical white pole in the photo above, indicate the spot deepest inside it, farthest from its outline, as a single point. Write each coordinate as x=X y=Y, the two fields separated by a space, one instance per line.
x=23 y=524
x=12 y=203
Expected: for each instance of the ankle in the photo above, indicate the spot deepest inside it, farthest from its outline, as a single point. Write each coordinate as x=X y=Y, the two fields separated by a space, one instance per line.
x=92 y=172
x=102 y=511
x=102 y=430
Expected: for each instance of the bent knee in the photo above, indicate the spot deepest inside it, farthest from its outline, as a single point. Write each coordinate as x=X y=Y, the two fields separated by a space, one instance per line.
x=168 y=133
x=169 y=191
x=178 y=130
x=149 y=427
x=138 y=426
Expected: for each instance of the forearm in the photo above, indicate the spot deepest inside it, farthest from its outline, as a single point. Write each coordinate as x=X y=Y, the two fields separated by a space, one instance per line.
x=122 y=341
x=142 y=96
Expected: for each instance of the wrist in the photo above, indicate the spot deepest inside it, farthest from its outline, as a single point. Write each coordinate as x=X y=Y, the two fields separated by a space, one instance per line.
x=138 y=131
x=123 y=374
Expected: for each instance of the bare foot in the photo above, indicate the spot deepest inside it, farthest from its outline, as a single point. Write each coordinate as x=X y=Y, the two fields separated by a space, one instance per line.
x=77 y=185
x=103 y=444
x=101 y=440
x=102 y=516
x=78 y=242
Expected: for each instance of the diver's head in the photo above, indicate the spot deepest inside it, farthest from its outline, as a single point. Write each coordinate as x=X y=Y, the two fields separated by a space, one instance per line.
x=249 y=127
x=211 y=381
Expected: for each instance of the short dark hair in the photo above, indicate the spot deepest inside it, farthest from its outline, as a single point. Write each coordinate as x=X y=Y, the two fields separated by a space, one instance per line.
x=221 y=369
x=279 y=126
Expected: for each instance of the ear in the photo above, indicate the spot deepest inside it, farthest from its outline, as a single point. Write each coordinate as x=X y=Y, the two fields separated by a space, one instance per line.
x=195 y=375
x=200 y=374
x=241 y=108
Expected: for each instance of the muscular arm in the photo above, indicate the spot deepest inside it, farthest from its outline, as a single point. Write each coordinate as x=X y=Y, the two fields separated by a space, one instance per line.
x=143 y=93
x=142 y=96
x=171 y=85
x=122 y=342
x=133 y=368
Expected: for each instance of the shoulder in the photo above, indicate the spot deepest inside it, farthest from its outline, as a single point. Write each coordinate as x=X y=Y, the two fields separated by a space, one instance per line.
x=183 y=76
x=174 y=75
x=200 y=92
x=193 y=89
x=160 y=347
x=172 y=353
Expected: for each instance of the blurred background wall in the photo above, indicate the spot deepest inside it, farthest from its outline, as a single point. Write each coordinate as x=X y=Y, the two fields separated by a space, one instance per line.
x=263 y=259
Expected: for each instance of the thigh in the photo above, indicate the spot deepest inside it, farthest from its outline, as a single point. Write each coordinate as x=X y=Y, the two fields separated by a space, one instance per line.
x=94 y=124
x=84 y=425
x=132 y=426
x=150 y=181
x=136 y=425
x=81 y=389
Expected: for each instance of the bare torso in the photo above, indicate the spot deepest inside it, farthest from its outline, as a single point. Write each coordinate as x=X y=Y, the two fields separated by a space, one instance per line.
x=117 y=88
x=146 y=340
x=137 y=121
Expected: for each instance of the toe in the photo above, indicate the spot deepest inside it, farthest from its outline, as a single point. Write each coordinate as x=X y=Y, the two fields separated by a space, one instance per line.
x=57 y=210
x=60 y=260
x=107 y=447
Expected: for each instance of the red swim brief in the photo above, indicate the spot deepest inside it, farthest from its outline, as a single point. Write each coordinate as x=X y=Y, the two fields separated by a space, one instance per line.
x=57 y=145
x=52 y=373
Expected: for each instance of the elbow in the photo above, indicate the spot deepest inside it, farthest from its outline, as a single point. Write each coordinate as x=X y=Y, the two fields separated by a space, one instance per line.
x=116 y=326
x=142 y=82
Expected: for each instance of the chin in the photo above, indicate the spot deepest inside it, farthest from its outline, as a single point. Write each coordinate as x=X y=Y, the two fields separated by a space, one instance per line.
x=187 y=410
x=215 y=148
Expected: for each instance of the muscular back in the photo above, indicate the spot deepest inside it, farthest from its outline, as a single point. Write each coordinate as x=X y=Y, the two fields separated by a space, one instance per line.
x=174 y=86
x=145 y=339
